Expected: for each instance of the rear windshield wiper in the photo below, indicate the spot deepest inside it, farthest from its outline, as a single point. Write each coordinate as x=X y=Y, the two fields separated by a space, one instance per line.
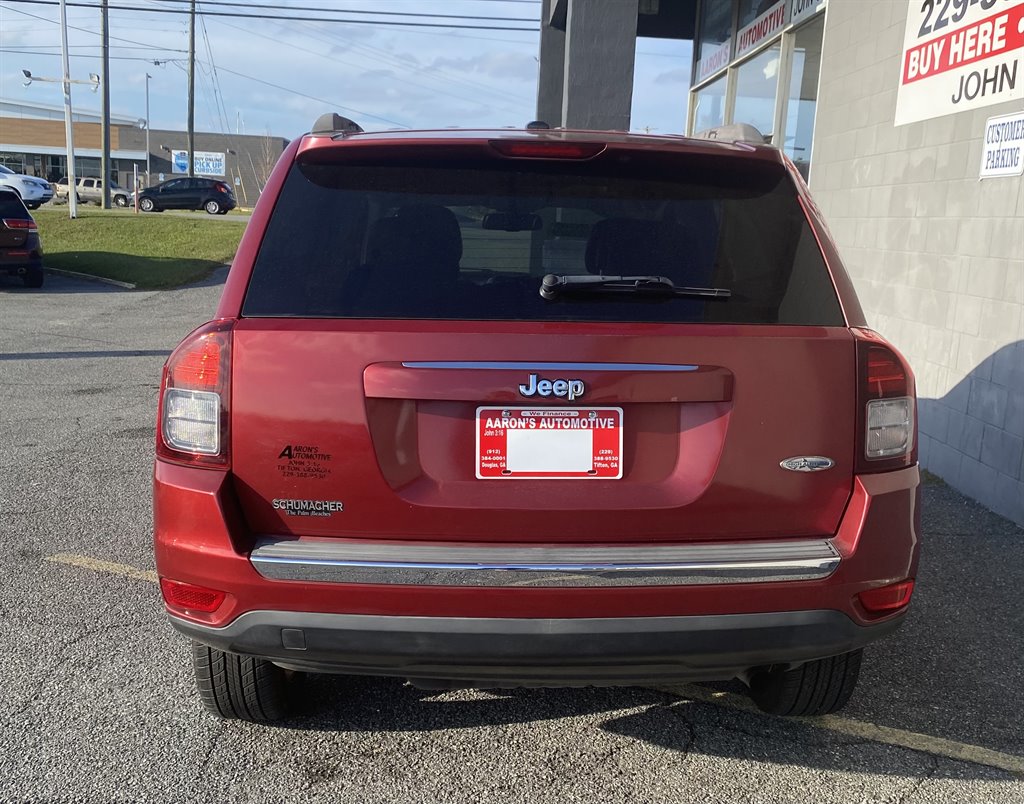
x=555 y=285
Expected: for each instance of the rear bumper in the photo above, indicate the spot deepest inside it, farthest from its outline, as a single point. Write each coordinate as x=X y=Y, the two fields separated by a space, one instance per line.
x=19 y=266
x=548 y=652
x=201 y=537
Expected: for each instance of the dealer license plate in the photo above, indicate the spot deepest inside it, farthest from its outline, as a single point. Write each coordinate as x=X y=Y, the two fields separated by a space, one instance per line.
x=571 y=443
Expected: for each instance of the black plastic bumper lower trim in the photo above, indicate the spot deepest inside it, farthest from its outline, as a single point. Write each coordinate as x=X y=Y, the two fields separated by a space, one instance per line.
x=541 y=652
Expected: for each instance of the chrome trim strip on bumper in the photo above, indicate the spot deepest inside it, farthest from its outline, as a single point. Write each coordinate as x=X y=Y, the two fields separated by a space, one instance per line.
x=524 y=366
x=337 y=561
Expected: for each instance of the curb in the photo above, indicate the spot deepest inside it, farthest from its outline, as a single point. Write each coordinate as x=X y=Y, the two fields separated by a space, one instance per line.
x=91 y=278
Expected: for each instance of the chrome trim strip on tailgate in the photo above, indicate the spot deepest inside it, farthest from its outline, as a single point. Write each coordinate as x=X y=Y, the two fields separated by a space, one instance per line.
x=336 y=561
x=523 y=366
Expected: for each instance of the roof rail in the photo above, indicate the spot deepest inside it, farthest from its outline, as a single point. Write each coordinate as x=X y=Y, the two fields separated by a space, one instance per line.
x=734 y=132
x=333 y=123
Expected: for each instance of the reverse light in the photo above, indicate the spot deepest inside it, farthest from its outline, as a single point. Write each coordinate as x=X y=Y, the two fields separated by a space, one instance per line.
x=191 y=597
x=195 y=399
x=887 y=404
x=887 y=599
x=192 y=421
x=547 y=149
x=890 y=427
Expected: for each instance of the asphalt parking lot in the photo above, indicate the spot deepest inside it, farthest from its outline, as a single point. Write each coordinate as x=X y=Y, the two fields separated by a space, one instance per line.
x=98 y=702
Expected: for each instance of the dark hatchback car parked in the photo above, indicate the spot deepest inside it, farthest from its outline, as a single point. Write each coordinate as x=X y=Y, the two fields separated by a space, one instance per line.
x=21 y=252
x=526 y=408
x=213 y=195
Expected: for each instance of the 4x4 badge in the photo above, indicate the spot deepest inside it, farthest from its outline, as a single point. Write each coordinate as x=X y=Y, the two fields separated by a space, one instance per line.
x=568 y=389
x=807 y=463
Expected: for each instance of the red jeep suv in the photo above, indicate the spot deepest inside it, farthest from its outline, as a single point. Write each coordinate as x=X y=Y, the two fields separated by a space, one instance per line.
x=535 y=408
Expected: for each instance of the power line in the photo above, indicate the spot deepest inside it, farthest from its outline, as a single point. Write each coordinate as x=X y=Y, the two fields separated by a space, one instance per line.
x=437 y=74
x=77 y=56
x=287 y=17
x=336 y=60
x=14 y=48
x=84 y=30
x=279 y=7
x=313 y=97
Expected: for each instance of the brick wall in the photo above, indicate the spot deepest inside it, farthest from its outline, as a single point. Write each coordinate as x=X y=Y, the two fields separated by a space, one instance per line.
x=937 y=255
x=22 y=131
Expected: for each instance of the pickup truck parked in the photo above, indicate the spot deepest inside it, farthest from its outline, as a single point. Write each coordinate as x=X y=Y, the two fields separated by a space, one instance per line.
x=91 y=189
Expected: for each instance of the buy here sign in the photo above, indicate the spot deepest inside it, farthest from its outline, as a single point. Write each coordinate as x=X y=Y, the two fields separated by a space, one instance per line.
x=960 y=55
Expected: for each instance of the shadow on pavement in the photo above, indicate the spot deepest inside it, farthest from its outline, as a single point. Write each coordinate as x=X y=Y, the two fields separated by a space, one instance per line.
x=952 y=671
x=8 y=356
x=55 y=284
x=211 y=274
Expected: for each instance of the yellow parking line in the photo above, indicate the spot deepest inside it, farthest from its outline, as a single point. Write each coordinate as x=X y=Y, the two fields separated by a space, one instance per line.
x=887 y=735
x=104 y=566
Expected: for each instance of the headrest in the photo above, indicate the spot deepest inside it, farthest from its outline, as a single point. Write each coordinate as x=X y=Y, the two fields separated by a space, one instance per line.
x=435 y=228
x=623 y=246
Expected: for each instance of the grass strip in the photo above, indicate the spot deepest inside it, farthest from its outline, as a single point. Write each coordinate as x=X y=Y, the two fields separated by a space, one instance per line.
x=150 y=251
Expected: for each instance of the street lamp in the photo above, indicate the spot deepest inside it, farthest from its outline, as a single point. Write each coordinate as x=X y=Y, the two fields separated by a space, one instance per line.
x=69 y=136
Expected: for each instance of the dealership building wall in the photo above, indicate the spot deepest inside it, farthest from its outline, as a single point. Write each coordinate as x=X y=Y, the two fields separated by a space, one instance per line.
x=935 y=251
x=32 y=141
x=936 y=254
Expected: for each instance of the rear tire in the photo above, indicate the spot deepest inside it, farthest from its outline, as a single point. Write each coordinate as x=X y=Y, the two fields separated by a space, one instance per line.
x=33 y=278
x=212 y=207
x=239 y=687
x=120 y=201
x=815 y=688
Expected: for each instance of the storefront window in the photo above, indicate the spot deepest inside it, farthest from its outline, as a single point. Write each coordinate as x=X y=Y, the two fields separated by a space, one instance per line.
x=803 y=94
x=715 y=25
x=15 y=162
x=757 y=81
x=714 y=45
x=750 y=10
x=87 y=166
x=710 y=109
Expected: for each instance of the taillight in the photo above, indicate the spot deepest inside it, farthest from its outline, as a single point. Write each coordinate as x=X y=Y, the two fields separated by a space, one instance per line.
x=20 y=223
x=195 y=398
x=547 y=149
x=190 y=597
x=220 y=187
x=887 y=406
x=887 y=599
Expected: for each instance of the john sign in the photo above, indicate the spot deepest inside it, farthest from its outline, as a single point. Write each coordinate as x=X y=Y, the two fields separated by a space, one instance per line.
x=960 y=55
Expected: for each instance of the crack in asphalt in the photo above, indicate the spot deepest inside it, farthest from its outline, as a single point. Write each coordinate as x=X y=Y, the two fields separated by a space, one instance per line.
x=204 y=765
x=904 y=798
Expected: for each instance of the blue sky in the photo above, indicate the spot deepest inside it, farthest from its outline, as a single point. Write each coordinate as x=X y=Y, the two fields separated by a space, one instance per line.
x=383 y=74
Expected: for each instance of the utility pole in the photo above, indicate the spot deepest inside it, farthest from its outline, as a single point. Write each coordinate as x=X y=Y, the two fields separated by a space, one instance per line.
x=105 y=154
x=69 y=132
x=148 y=76
x=191 y=90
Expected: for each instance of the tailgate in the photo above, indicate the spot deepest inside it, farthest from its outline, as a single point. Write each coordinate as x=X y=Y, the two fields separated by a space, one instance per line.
x=377 y=428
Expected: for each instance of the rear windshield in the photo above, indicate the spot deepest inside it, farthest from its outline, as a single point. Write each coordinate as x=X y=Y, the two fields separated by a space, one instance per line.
x=473 y=241
x=11 y=206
